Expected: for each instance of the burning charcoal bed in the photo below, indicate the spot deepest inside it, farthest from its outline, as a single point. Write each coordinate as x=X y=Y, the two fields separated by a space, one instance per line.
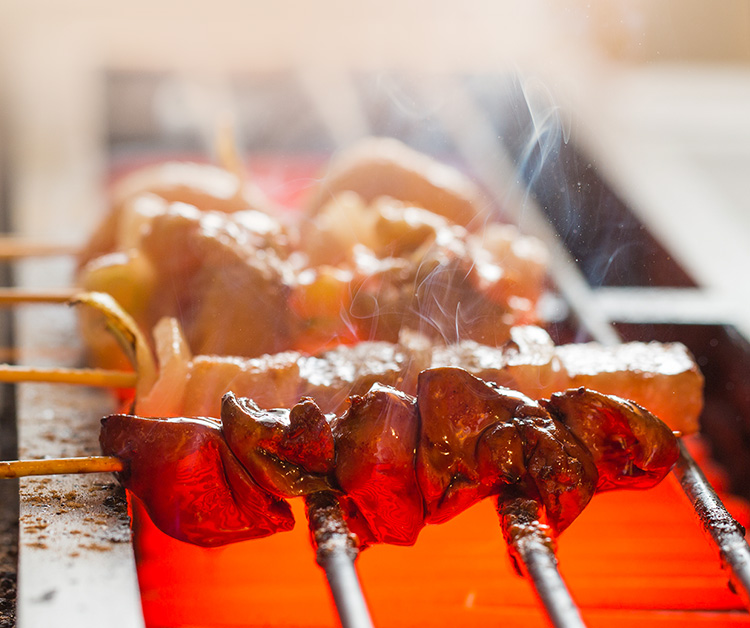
x=630 y=557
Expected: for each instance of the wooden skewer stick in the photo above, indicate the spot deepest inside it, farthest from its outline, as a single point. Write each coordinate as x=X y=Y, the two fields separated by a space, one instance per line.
x=100 y=378
x=12 y=296
x=14 y=247
x=336 y=547
x=58 y=466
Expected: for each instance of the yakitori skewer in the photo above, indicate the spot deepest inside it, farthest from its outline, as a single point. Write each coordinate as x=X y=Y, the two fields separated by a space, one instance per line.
x=544 y=459
x=15 y=247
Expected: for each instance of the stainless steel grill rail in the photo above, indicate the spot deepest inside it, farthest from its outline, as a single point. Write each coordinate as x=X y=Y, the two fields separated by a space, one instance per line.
x=493 y=164
x=489 y=154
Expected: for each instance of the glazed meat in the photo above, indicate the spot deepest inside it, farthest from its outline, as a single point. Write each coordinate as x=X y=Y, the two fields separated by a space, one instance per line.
x=476 y=438
x=364 y=266
x=206 y=187
x=191 y=484
x=411 y=269
x=398 y=462
x=375 y=443
x=380 y=166
x=628 y=449
x=288 y=452
x=198 y=265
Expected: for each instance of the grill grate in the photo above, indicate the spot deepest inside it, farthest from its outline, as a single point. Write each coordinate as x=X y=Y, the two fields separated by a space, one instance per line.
x=464 y=127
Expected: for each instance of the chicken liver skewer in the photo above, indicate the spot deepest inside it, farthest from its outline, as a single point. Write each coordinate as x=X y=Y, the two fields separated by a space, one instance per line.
x=396 y=462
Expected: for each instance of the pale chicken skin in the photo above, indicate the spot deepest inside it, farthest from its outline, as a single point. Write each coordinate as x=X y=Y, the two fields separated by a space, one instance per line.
x=246 y=280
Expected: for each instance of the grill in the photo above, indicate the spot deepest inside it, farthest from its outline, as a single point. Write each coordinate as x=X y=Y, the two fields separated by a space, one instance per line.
x=608 y=284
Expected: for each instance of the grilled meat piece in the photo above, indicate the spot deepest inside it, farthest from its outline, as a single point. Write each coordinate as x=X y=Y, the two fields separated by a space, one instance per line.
x=207 y=187
x=380 y=166
x=223 y=275
x=288 y=452
x=376 y=440
x=476 y=438
x=629 y=448
x=191 y=484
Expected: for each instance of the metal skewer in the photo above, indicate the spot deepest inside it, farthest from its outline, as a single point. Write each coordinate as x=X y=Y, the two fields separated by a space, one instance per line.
x=717 y=523
x=532 y=549
x=469 y=125
x=336 y=550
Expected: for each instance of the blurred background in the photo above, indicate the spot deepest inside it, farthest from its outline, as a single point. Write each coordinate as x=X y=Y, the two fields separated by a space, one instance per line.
x=654 y=93
x=658 y=91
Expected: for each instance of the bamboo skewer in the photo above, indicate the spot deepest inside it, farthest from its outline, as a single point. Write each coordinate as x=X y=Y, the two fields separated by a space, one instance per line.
x=14 y=296
x=99 y=378
x=15 y=247
x=59 y=466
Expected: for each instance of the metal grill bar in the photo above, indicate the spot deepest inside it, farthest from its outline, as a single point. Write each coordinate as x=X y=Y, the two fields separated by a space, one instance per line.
x=532 y=548
x=476 y=140
x=336 y=551
x=720 y=526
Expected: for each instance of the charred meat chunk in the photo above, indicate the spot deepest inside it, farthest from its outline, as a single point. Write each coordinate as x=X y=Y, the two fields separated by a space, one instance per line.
x=630 y=446
x=288 y=452
x=376 y=441
x=191 y=484
x=478 y=438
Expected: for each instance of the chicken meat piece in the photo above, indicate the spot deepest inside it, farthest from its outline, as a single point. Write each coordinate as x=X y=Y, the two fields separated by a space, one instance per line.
x=288 y=452
x=376 y=440
x=224 y=276
x=379 y=166
x=207 y=187
x=630 y=448
x=408 y=268
x=476 y=438
x=191 y=484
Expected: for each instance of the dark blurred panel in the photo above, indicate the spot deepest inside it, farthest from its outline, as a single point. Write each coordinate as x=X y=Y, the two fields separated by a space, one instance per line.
x=608 y=242
x=8 y=434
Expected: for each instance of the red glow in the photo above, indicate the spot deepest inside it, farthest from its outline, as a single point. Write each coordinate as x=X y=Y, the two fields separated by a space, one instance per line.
x=632 y=558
